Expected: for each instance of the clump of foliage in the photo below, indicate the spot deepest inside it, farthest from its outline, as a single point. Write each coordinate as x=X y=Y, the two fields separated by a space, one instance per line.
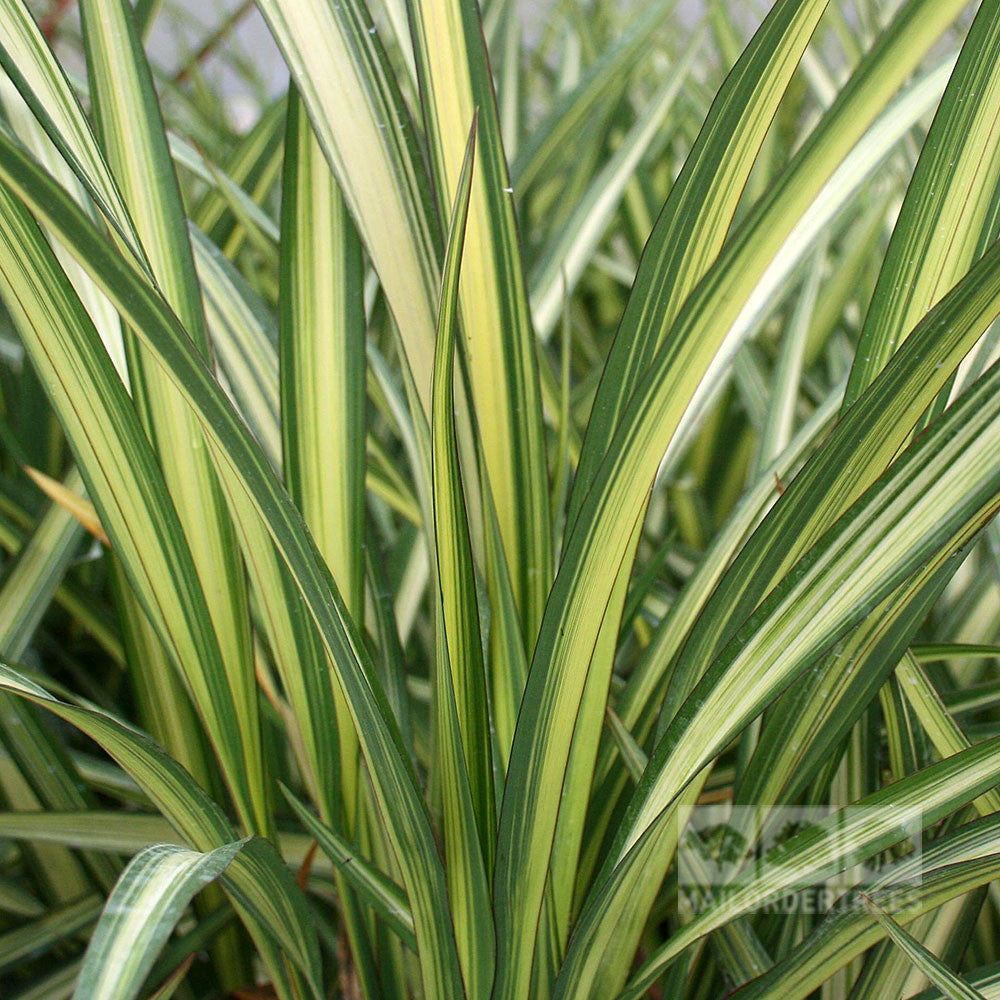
x=454 y=522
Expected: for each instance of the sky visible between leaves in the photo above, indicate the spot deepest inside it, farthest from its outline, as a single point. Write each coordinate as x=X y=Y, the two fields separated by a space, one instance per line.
x=172 y=37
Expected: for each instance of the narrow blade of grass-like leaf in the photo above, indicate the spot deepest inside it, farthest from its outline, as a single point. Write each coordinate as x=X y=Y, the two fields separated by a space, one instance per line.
x=465 y=761
x=453 y=557
x=340 y=68
x=140 y=915
x=262 y=886
x=695 y=220
x=948 y=217
x=164 y=703
x=38 y=936
x=456 y=83
x=777 y=430
x=243 y=335
x=24 y=597
x=926 y=961
x=946 y=735
x=743 y=588
x=95 y=829
x=704 y=197
x=254 y=495
x=896 y=483
x=70 y=500
x=951 y=866
x=122 y=475
x=554 y=134
x=27 y=58
x=815 y=716
x=253 y=165
x=131 y=131
x=668 y=773
x=851 y=835
x=18 y=902
x=322 y=342
x=388 y=900
x=243 y=207
x=26 y=127
x=564 y=258
x=741 y=262
x=322 y=373
x=863 y=443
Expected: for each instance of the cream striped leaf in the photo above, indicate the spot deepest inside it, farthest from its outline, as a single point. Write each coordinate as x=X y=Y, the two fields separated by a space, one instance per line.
x=243 y=335
x=811 y=608
x=456 y=84
x=928 y=963
x=466 y=760
x=554 y=134
x=849 y=836
x=581 y=615
x=26 y=127
x=815 y=507
x=322 y=379
x=124 y=480
x=362 y=125
x=563 y=259
x=261 y=886
x=140 y=914
x=952 y=865
x=27 y=58
x=131 y=132
x=254 y=493
x=924 y=456
x=948 y=217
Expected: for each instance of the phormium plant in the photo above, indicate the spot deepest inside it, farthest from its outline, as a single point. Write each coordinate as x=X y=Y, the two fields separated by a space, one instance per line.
x=513 y=522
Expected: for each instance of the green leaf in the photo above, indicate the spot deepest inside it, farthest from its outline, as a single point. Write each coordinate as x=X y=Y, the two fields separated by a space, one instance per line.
x=571 y=113
x=342 y=75
x=951 y=866
x=861 y=446
x=18 y=901
x=814 y=605
x=928 y=963
x=582 y=614
x=694 y=222
x=322 y=371
x=25 y=596
x=122 y=475
x=455 y=84
x=262 y=888
x=126 y=833
x=848 y=837
x=253 y=166
x=28 y=60
x=946 y=735
x=26 y=127
x=253 y=493
x=39 y=936
x=948 y=217
x=811 y=718
x=244 y=338
x=323 y=386
x=568 y=250
x=140 y=915
x=466 y=764
x=388 y=900
x=243 y=207
x=132 y=135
